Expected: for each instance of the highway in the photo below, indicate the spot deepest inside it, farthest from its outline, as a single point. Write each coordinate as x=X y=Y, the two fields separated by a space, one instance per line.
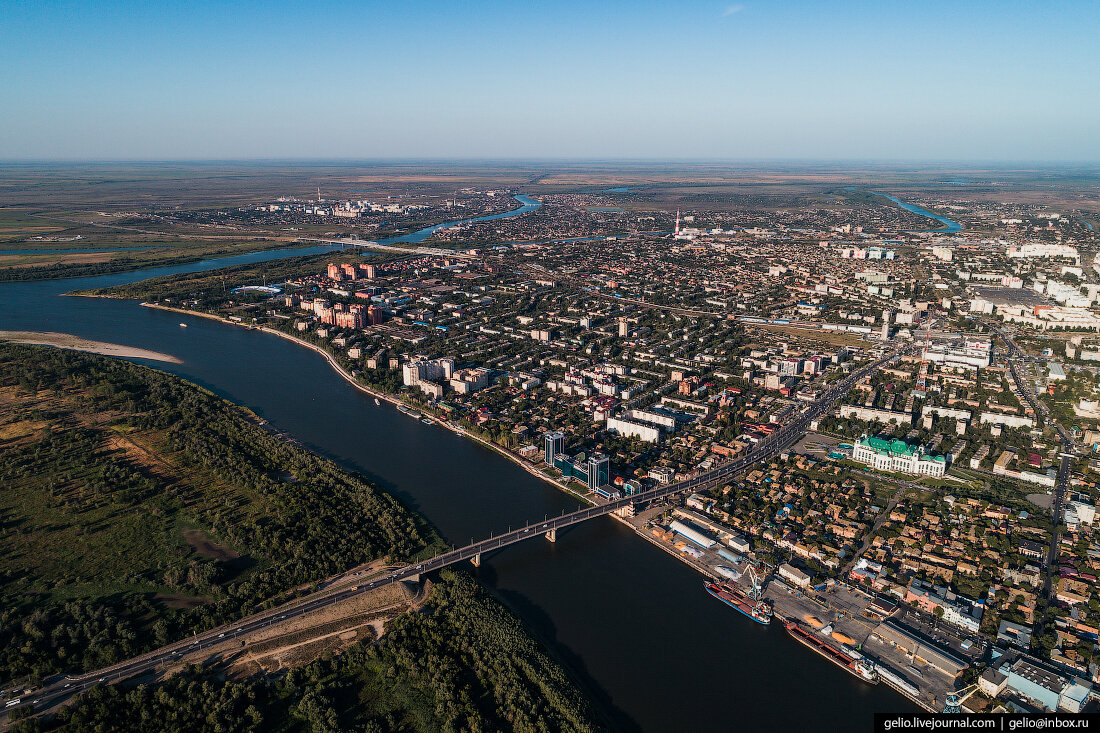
x=772 y=445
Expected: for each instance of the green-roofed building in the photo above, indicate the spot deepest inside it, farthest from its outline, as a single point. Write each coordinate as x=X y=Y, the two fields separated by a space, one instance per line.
x=897 y=455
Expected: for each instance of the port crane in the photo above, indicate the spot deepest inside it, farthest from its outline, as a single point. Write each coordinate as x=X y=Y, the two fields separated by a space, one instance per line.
x=954 y=701
x=756 y=585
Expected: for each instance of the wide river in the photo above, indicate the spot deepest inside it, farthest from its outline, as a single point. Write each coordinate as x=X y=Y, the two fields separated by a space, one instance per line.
x=653 y=650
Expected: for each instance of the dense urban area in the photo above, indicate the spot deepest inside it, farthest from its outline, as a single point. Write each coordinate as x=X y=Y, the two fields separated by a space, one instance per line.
x=929 y=526
x=935 y=525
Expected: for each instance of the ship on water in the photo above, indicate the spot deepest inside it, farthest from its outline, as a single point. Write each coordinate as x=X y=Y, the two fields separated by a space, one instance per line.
x=751 y=602
x=847 y=658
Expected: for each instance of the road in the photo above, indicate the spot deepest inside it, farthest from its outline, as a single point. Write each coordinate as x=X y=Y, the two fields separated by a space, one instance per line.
x=332 y=591
x=1065 y=467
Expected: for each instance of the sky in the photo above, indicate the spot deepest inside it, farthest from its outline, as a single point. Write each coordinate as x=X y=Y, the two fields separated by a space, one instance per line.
x=921 y=80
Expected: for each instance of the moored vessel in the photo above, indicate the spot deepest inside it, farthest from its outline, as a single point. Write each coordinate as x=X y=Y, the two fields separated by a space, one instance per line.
x=758 y=610
x=848 y=658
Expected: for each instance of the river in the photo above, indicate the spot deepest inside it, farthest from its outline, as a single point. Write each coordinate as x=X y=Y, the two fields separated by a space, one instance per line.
x=949 y=226
x=653 y=650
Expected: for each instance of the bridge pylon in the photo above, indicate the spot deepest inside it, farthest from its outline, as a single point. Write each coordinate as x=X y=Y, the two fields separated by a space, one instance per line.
x=552 y=535
x=476 y=560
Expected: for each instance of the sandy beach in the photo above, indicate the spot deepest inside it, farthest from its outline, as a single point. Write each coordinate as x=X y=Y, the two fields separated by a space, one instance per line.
x=76 y=343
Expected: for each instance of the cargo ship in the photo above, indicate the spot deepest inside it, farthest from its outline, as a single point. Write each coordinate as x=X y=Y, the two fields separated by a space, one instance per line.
x=848 y=658
x=758 y=610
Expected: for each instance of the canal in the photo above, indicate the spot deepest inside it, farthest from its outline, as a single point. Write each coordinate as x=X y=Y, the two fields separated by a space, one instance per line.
x=633 y=623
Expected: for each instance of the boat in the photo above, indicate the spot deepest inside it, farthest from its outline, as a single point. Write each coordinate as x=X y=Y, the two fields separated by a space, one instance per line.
x=758 y=610
x=848 y=658
x=426 y=421
x=376 y=401
x=402 y=408
x=183 y=325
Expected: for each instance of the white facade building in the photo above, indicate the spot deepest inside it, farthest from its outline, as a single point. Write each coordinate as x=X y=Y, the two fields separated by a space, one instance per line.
x=897 y=455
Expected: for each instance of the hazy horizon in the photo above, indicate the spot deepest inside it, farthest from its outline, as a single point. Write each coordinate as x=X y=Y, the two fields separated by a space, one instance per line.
x=743 y=82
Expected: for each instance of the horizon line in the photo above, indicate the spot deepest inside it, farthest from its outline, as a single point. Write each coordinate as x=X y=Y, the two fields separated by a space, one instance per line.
x=552 y=159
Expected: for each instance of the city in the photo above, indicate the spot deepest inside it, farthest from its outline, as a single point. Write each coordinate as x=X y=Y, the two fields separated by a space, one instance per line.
x=914 y=520
x=573 y=367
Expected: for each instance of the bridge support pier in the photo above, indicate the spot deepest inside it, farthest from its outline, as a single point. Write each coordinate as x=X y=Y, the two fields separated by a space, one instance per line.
x=413 y=578
x=552 y=535
x=476 y=560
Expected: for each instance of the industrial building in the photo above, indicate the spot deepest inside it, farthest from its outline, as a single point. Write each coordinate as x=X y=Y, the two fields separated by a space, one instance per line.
x=891 y=632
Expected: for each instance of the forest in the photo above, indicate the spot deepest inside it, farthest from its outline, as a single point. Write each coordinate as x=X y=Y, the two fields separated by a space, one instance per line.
x=136 y=507
x=463 y=663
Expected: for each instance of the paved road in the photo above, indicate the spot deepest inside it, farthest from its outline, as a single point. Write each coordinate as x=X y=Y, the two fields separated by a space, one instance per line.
x=1065 y=466
x=333 y=592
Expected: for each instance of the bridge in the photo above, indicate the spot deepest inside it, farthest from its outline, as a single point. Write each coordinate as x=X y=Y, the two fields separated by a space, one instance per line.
x=769 y=447
x=370 y=244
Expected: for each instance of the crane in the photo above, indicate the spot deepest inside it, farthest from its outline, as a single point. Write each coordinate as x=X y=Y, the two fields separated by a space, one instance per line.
x=954 y=701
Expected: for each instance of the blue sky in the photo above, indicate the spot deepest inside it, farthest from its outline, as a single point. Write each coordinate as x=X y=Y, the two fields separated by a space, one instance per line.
x=794 y=79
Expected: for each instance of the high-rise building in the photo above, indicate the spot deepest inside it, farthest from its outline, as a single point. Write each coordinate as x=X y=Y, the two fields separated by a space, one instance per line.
x=554 y=444
x=624 y=328
x=599 y=471
x=414 y=373
x=334 y=272
x=367 y=270
x=790 y=367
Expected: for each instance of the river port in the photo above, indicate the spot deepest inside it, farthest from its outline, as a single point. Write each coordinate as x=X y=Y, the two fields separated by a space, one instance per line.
x=844 y=609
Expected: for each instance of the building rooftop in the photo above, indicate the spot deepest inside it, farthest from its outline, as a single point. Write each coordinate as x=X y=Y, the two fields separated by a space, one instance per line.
x=1039 y=676
x=893 y=447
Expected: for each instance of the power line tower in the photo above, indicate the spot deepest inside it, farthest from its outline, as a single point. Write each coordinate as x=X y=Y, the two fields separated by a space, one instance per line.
x=922 y=378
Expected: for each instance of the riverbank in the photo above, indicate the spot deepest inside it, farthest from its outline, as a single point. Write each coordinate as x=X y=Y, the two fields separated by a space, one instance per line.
x=788 y=604
x=76 y=343
x=377 y=394
x=785 y=607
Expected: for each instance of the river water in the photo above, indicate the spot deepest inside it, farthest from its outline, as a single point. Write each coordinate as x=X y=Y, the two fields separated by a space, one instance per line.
x=653 y=650
x=949 y=226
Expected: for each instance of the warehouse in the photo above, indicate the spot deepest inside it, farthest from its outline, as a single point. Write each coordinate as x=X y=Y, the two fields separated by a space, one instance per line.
x=942 y=659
